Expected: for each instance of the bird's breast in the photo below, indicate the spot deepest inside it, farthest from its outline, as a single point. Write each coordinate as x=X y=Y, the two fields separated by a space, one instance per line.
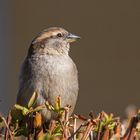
x=57 y=76
x=62 y=73
x=55 y=65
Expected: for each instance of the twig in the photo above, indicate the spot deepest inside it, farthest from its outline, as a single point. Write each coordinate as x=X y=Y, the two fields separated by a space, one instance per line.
x=99 y=129
x=133 y=128
x=52 y=126
x=132 y=125
x=88 y=130
x=91 y=136
x=82 y=125
x=74 y=127
x=106 y=134
x=132 y=135
x=8 y=119
x=30 y=127
x=6 y=130
x=65 y=126
x=6 y=122
x=29 y=137
x=118 y=128
x=124 y=137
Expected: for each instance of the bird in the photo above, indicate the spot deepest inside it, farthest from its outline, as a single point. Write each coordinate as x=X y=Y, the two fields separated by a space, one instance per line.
x=49 y=71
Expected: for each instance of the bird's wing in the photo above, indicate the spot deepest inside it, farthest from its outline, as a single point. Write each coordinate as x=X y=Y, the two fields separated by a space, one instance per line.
x=24 y=95
x=30 y=83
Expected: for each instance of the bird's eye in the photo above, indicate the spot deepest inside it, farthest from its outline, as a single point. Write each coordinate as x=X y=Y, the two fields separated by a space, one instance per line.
x=59 y=35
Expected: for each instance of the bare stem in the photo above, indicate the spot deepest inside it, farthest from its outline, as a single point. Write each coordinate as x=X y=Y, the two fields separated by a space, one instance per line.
x=6 y=122
x=87 y=131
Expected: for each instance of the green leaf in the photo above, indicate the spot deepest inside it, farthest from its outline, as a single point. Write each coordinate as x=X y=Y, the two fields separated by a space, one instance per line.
x=57 y=134
x=57 y=130
x=19 y=107
x=39 y=108
x=32 y=100
x=58 y=103
x=111 y=126
x=50 y=107
x=23 y=109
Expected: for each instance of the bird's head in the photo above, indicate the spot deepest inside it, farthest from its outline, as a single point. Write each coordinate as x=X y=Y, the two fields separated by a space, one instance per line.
x=52 y=41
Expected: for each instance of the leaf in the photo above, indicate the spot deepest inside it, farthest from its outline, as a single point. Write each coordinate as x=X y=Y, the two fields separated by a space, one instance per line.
x=49 y=106
x=41 y=135
x=23 y=109
x=57 y=134
x=57 y=130
x=19 y=107
x=16 y=114
x=37 y=120
x=45 y=137
x=111 y=126
x=32 y=100
x=105 y=115
x=58 y=103
x=39 y=108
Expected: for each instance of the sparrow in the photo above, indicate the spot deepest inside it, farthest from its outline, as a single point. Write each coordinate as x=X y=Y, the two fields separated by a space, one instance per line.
x=49 y=71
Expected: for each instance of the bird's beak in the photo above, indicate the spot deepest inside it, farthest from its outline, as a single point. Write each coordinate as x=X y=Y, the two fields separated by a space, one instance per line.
x=71 y=37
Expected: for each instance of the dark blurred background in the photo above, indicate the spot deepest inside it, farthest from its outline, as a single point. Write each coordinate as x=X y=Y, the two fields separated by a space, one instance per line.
x=107 y=56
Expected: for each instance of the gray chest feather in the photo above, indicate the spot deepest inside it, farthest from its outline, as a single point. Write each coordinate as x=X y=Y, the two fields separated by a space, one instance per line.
x=53 y=76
